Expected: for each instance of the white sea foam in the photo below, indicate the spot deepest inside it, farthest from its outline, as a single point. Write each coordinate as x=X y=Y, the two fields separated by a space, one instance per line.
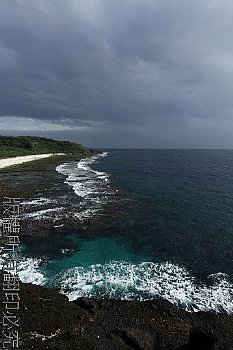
x=81 y=177
x=29 y=270
x=85 y=214
x=146 y=281
x=143 y=281
x=34 y=204
x=90 y=185
x=125 y=280
x=41 y=214
x=38 y=202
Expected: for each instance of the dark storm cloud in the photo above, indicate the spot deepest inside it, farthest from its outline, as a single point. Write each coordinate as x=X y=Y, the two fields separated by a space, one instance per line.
x=135 y=73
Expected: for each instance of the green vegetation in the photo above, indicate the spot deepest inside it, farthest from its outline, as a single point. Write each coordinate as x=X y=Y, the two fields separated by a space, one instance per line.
x=11 y=146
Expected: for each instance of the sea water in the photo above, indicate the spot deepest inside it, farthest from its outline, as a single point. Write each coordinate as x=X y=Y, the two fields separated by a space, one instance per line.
x=175 y=241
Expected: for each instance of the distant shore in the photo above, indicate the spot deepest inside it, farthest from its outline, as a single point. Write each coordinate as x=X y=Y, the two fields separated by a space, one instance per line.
x=97 y=323
x=6 y=162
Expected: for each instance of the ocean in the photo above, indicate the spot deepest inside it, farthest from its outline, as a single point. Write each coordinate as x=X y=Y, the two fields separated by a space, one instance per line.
x=168 y=233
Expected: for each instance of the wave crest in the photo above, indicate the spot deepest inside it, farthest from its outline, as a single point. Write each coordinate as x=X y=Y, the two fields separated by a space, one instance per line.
x=90 y=185
x=144 y=281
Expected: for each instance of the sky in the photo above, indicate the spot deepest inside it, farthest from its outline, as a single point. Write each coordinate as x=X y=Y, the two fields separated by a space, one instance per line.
x=126 y=73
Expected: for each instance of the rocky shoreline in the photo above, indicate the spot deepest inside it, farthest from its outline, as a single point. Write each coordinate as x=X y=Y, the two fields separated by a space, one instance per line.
x=48 y=320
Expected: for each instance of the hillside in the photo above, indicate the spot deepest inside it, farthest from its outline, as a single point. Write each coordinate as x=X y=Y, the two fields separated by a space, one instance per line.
x=11 y=146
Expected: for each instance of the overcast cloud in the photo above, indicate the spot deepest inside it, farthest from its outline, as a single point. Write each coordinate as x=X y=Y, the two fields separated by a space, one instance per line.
x=126 y=73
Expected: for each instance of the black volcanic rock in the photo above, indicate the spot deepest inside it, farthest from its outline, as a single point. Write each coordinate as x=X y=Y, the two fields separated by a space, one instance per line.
x=50 y=321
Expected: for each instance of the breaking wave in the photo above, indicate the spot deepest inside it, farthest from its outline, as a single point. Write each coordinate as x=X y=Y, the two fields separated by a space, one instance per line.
x=91 y=186
x=147 y=280
x=29 y=270
x=142 y=281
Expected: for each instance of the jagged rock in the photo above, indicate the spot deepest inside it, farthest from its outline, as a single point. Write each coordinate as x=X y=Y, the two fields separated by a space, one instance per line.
x=50 y=321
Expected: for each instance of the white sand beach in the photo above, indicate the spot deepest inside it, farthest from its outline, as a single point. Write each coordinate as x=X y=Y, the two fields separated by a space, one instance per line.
x=18 y=160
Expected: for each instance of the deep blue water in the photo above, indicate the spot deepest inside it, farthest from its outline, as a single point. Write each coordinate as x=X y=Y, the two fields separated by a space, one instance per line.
x=173 y=238
x=186 y=204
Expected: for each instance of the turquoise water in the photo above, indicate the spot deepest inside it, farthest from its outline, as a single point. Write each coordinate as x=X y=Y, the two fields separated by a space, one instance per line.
x=172 y=239
x=185 y=204
x=96 y=251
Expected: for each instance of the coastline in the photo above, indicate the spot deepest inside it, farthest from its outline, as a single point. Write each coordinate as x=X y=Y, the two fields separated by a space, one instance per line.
x=131 y=329
x=6 y=162
x=113 y=324
x=61 y=202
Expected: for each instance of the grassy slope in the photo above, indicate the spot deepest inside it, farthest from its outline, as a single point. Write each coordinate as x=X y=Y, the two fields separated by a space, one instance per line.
x=26 y=145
